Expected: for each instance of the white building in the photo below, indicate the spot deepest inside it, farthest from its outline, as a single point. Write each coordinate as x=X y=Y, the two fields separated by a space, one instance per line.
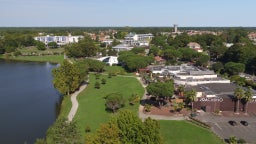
x=134 y=39
x=189 y=75
x=60 y=40
x=109 y=60
x=122 y=47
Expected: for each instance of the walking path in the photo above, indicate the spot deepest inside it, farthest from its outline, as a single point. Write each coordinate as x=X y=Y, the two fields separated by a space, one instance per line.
x=75 y=102
x=143 y=116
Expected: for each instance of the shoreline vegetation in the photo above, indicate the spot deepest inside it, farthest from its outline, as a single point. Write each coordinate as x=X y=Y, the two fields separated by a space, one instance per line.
x=32 y=54
x=45 y=58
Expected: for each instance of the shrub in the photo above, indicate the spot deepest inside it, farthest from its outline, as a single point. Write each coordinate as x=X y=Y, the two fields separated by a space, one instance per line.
x=97 y=85
x=87 y=129
x=103 y=81
x=134 y=99
x=147 y=108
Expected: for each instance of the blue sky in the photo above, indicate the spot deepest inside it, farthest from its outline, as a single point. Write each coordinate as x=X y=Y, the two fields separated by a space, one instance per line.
x=127 y=12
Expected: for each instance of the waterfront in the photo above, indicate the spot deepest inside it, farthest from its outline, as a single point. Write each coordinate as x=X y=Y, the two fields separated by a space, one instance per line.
x=29 y=102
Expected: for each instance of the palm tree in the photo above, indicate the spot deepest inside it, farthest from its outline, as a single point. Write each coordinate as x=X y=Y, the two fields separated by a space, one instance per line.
x=190 y=96
x=181 y=89
x=239 y=94
x=247 y=97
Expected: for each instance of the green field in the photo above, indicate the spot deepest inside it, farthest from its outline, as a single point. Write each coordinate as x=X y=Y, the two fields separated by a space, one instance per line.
x=91 y=111
x=34 y=49
x=47 y=58
x=117 y=70
x=182 y=132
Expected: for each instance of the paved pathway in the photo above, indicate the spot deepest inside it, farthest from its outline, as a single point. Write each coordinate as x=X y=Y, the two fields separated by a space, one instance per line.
x=75 y=102
x=143 y=116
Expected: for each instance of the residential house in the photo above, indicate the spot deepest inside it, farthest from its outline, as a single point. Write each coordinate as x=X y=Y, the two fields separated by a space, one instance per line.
x=195 y=46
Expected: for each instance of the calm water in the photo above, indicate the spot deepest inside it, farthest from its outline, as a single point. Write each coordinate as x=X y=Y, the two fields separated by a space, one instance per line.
x=28 y=101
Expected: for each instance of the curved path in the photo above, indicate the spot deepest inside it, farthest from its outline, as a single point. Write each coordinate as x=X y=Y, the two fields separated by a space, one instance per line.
x=75 y=102
x=143 y=116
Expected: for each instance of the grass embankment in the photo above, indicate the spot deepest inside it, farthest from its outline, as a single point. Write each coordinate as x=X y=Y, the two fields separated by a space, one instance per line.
x=182 y=132
x=91 y=111
x=65 y=107
x=33 y=54
x=47 y=58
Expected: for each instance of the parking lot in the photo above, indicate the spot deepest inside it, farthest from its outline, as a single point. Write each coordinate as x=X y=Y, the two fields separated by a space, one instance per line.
x=222 y=126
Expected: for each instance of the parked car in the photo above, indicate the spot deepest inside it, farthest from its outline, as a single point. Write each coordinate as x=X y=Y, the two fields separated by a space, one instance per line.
x=233 y=123
x=245 y=123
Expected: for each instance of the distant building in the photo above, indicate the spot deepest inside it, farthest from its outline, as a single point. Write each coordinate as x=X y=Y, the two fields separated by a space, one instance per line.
x=109 y=60
x=195 y=46
x=175 y=28
x=134 y=39
x=228 y=45
x=252 y=36
x=122 y=47
x=60 y=40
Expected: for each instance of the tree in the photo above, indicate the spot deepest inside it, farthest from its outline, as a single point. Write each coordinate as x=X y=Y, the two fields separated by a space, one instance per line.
x=84 y=48
x=161 y=90
x=190 y=96
x=233 y=68
x=126 y=127
x=107 y=134
x=203 y=60
x=151 y=132
x=238 y=94
x=247 y=97
x=93 y=65
x=66 y=78
x=52 y=45
x=138 y=50
x=134 y=131
x=40 y=45
x=63 y=132
x=114 y=101
x=217 y=67
x=154 y=50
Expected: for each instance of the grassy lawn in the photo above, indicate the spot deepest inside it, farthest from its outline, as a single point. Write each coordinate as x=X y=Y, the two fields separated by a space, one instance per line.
x=34 y=49
x=119 y=70
x=182 y=132
x=91 y=111
x=46 y=58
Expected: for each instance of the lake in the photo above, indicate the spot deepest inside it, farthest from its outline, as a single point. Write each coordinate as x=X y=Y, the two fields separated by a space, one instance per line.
x=28 y=101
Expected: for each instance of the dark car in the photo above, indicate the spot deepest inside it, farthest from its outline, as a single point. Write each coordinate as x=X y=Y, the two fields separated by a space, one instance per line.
x=233 y=123
x=245 y=123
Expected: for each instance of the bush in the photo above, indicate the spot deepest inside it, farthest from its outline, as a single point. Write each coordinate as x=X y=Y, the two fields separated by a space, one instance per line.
x=147 y=108
x=97 y=75
x=87 y=129
x=16 y=53
x=109 y=75
x=103 y=81
x=97 y=85
x=134 y=99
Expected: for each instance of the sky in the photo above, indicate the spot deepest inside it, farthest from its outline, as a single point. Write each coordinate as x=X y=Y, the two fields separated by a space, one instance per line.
x=141 y=13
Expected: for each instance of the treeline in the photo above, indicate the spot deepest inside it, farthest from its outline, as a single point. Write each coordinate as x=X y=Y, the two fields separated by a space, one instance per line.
x=242 y=53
